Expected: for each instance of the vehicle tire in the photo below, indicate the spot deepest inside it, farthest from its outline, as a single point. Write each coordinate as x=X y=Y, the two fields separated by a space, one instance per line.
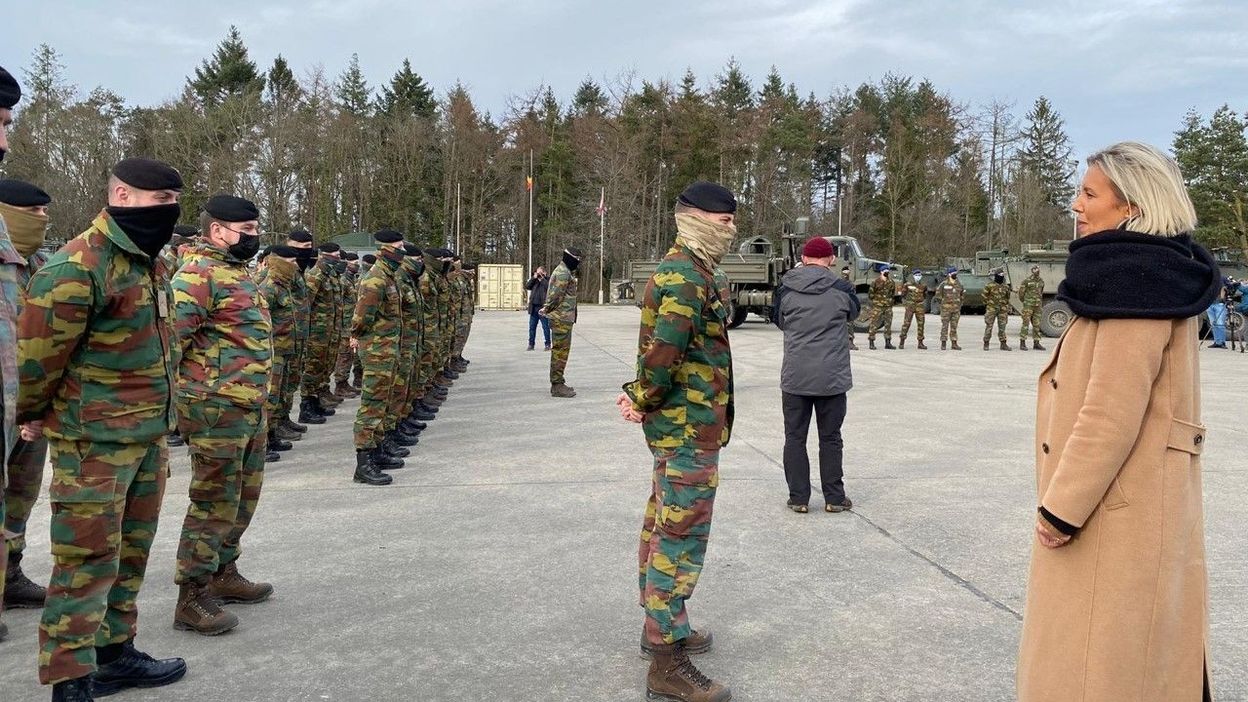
x=1054 y=317
x=864 y=305
x=1235 y=321
x=736 y=315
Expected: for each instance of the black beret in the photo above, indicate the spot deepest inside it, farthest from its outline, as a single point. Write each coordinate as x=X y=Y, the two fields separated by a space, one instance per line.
x=329 y=247
x=573 y=251
x=708 y=197
x=228 y=208
x=369 y=259
x=284 y=251
x=388 y=236
x=443 y=253
x=350 y=256
x=19 y=193
x=411 y=249
x=264 y=253
x=10 y=91
x=303 y=236
x=186 y=230
x=148 y=174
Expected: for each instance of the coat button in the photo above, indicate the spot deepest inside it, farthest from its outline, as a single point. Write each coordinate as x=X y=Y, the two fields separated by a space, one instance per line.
x=1044 y=447
x=1053 y=382
x=1200 y=438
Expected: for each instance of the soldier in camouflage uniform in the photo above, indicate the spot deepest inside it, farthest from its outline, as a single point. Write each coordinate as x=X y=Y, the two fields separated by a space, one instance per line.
x=560 y=309
x=949 y=296
x=224 y=331
x=172 y=255
x=465 y=278
x=277 y=285
x=395 y=440
x=97 y=362
x=447 y=312
x=683 y=398
x=914 y=299
x=846 y=276
x=346 y=359
x=430 y=394
x=24 y=211
x=11 y=265
x=376 y=334
x=324 y=315
x=301 y=241
x=881 y=295
x=1031 y=292
x=997 y=309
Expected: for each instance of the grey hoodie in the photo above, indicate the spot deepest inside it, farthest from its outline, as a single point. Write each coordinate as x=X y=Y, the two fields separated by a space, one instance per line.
x=813 y=307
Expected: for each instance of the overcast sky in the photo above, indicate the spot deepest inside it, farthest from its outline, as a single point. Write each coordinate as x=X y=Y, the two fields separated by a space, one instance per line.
x=1114 y=69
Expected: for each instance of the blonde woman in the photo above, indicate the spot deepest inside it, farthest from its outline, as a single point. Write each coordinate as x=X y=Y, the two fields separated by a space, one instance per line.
x=1117 y=593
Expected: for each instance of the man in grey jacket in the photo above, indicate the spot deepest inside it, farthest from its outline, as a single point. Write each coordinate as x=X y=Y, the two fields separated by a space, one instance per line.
x=813 y=307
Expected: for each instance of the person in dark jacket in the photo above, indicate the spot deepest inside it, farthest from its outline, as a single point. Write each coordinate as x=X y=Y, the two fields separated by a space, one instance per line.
x=813 y=308
x=537 y=286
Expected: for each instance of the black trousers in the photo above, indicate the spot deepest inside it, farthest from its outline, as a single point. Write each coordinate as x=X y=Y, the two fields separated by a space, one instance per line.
x=829 y=415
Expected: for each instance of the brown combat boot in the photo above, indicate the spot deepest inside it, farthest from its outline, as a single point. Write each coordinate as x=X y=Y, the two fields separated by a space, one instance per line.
x=329 y=399
x=674 y=678
x=1005 y=346
x=357 y=381
x=285 y=433
x=1036 y=345
x=955 y=346
x=1022 y=345
x=230 y=587
x=197 y=611
x=902 y=343
x=562 y=390
x=696 y=643
x=345 y=391
x=986 y=342
x=922 y=346
x=944 y=345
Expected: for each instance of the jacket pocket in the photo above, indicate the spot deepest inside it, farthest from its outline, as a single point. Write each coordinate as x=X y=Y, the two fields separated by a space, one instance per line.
x=1114 y=498
x=1186 y=437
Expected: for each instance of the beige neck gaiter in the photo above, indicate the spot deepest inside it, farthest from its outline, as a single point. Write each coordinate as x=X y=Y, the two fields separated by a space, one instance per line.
x=708 y=240
x=27 y=230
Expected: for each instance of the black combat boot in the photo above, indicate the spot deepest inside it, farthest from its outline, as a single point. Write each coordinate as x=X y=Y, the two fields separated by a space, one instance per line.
x=366 y=472
x=419 y=414
x=392 y=448
x=944 y=345
x=450 y=373
x=922 y=346
x=20 y=592
x=1036 y=345
x=428 y=409
x=986 y=342
x=281 y=431
x=901 y=344
x=1005 y=346
x=1022 y=344
x=401 y=438
x=321 y=408
x=76 y=690
x=271 y=456
x=384 y=461
x=888 y=344
x=276 y=444
x=294 y=426
x=308 y=413
x=411 y=426
x=131 y=667
x=871 y=344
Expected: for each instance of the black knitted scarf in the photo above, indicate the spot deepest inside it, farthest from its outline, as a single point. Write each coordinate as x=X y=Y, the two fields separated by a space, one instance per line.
x=1119 y=274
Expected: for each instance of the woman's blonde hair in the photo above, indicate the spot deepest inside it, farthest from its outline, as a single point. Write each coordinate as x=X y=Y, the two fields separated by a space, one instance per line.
x=1149 y=180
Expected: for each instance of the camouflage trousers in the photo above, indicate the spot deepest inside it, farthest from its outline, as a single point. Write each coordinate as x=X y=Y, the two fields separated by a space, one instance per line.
x=998 y=316
x=227 y=445
x=318 y=364
x=278 y=371
x=560 y=347
x=1031 y=321
x=105 y=501
x=380 y=365
x=949 y=325
x=400 y=388
x=21 y=491
x=881 y=318
x=292 y=375
x=345 y=362
x=919 y=317
x=674 y=535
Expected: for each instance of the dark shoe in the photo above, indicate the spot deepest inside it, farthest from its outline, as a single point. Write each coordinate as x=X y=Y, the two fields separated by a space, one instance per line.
x=1036 y=345
x=547 y=348
x=922 y=346
x=199 y=612
x=853 y=346
x=321 y=408
x=328 y=399
x=1022 y=345
x=76 y=690
x=412 y=429
x=943 y=345
x=696 y=643
x=530 y=348
x=674 y=678
x=133 y=668
x=293 y=426
x=901 y=344
x=451 y=374
x=1005 y=346
x=276 y=444
x=392 y=448
x=308 y=413
x=230 y=587
x=797 y=507
x=955 y=346
x=175 y=439
x=402 y=437
x=871 y=344
x=384 y=461
x=357 y=382
x=427 y=408
x=985 y=344
x=271 y=456
x=366 y=472
x=344 y=390
x=415 y=425
x=420 y=414
x=20 y=592
x=889 y=345
x=562 y=390
x=839 y=506
x=281 y=431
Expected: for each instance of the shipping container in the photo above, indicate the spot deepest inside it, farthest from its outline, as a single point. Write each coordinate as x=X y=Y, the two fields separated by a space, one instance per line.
x=500 y=286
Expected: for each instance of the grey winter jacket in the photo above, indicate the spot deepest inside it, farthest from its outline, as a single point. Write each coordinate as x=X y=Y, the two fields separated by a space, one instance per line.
x=813 y=306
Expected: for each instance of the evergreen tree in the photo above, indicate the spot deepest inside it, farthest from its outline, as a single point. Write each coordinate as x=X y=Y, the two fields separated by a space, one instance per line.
x=589 y=99
x=407 y=95
x=283 y=89
x=1046 y=153
x=352 y=90
x=1214 y=161
x=229 y=72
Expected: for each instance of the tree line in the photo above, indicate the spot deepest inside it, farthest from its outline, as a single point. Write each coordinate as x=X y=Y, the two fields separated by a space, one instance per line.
x=906 y=168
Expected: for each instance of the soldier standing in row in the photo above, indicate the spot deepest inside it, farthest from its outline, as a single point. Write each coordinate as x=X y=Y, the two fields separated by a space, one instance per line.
x=949 y=296
x=426 y=406
x=395 y=440
x=324 y=315
x=914 y=298
x=24 y=211
x=301 y=241
x=560 y=309
x=277 y=285
x=224 y=331
x=846 y=277
x=881 y=295
x=376 y=332
x=346 y=358
x=997 y=309
x=413 y=326
x=97 y=365
x=1031 y=293
x=357 y=366
x=683 y=398
x=467 y=287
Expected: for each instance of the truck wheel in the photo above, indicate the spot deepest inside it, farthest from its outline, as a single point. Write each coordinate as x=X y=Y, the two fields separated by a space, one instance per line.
x=1054 y=317
x=864 y=305
x=736 y=315
x=1235 y=325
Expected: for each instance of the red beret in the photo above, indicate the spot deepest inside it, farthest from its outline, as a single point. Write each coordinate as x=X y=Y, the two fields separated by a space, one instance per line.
x=817 y=247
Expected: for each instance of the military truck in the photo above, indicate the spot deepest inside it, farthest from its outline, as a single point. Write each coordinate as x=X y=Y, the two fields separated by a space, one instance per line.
x=1051 y=259
x=755 y=269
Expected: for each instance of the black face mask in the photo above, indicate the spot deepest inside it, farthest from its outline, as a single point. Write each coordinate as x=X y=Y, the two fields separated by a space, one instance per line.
x=419 y=270
x=150 y=228
x=570 y=261
x=246 y=248
x=305 y=260
x=446 y=267
x=999 y=278
x=953 y=277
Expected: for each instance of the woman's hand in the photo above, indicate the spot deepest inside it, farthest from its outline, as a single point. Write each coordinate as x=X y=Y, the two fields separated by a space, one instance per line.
x=1049 y=536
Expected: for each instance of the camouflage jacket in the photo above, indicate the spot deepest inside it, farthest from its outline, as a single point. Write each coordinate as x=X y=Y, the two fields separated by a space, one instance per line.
x=223 y=328
x=410 y=302
x=348 y=288
x=299 y=296
x=1032 y=291
x=324 y=298
x=12 y=273
x=949 y=294
x=378 y=308
x=561 y=296
x=96 y=353
x=426 y=286
x=997 y=296
x=277 y=285
x=882 y=292
x=684 y=363
x=914 y=295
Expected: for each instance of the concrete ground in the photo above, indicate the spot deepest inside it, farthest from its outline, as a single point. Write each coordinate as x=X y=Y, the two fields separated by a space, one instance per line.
x=501 y=564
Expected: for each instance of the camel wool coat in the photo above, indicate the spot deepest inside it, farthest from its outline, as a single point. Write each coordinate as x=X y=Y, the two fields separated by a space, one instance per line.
x=1120 y=614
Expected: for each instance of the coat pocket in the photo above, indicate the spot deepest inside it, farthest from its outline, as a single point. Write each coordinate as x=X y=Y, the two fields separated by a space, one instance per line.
x=1186 y=437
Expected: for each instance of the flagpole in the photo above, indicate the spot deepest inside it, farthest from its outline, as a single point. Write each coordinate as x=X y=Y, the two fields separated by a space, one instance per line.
x=529 y=183
x=602 y=237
